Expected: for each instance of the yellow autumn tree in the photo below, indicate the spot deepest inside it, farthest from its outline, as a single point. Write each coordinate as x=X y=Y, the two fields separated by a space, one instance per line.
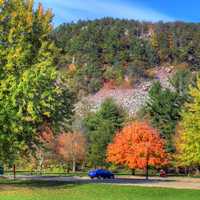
x=32 y=91
x=188 y=137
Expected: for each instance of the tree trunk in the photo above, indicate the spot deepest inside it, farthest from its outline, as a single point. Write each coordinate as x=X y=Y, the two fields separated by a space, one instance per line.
x=68 y=168
x=14 y=171
x=40 y=167
x=40 y=163
x=185 y=171
x=147 y=171
x=133 y=172
x=83 y=166
x=177 y=170
x=197 y=170
x=147 y=166
x=189 y=171
x=74 y=165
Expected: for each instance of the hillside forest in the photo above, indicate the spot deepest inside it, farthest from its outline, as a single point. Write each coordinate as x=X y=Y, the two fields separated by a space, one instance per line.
x=107 y=93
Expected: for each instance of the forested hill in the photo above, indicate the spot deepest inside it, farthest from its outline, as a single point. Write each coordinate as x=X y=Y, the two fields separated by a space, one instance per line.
x=120 y=52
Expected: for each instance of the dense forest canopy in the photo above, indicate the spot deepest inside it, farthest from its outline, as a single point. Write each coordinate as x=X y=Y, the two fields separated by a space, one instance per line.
x=112 y=49
x=43 y=125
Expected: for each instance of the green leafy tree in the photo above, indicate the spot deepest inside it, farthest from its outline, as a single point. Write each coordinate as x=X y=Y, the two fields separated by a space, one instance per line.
x=32 y=93
x=188 y=139
x=100 y=128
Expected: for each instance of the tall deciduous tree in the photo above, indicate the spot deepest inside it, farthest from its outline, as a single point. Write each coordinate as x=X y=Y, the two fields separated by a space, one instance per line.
x=188 y=140
x=31 y=92
x=137 y=145
x=44 y=150
x=72 y=148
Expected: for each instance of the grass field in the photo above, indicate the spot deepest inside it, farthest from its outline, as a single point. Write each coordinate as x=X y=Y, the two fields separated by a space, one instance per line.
x=35 y=190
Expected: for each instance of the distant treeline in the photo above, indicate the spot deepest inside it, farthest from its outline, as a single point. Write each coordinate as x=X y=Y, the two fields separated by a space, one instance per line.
x=110 y=49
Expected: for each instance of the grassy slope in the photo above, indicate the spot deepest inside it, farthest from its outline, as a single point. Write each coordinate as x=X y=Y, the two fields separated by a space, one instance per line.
x=61 y=191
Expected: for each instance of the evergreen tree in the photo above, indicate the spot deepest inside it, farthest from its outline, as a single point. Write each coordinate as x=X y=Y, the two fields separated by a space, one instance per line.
x=164 y=105
x=163 y=108
x=180 y=82
x=100 y=128
x=105 y=42
x=88 y=79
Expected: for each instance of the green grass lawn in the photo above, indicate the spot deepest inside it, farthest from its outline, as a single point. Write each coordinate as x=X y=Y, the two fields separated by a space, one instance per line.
x=34 y=190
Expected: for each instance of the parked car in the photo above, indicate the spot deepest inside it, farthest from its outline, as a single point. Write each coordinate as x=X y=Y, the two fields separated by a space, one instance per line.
x=162 y=173
x=100 y=173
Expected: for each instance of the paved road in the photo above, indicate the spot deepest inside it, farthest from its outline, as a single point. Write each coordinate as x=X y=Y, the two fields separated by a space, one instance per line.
x=170 y=182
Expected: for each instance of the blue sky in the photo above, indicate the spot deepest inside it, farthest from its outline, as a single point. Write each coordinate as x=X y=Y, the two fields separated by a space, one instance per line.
x=147 y=10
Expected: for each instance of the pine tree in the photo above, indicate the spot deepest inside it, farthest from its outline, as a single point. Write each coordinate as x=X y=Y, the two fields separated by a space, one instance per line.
x=100 y=128
x=163 y=108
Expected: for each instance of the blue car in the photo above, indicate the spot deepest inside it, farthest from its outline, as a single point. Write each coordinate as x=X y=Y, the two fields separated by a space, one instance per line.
x=100 y=173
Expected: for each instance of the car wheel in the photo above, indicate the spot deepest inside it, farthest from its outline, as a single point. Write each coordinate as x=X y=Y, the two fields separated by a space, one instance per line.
x=99 y=177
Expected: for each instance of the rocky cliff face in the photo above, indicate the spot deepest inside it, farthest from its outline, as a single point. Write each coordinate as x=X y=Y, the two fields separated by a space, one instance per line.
x=132 y=100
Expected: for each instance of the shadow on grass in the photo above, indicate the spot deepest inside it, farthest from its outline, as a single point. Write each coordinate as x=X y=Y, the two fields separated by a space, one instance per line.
x=63 y=182
x=37 y=184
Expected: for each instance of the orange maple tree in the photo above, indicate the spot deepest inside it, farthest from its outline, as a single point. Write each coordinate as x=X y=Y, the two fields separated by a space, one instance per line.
x=137 y=145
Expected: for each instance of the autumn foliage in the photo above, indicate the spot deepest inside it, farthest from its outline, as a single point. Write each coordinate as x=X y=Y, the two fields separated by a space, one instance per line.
x=137 y=145
x=71 y=147
x=46 y=135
